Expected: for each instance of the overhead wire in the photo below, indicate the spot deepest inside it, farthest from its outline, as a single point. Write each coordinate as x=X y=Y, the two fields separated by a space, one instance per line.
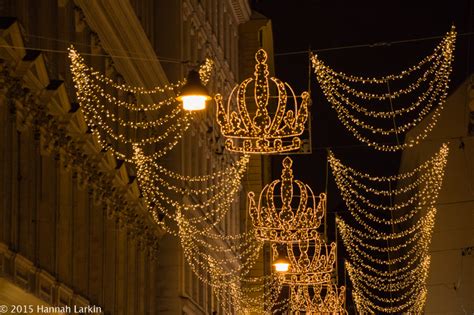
x=372 y=45
x=172 y=60
x=60 y=51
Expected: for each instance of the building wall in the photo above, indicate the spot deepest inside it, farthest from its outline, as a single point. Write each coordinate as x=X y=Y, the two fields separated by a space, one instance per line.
x=451 y=278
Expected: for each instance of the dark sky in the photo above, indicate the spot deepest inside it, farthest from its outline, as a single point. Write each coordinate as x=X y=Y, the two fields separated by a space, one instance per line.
x=317 y=24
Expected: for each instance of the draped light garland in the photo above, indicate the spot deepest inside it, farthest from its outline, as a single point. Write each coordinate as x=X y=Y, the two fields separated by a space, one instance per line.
x=355 y=186
x=200 y=205
x=226 y=273
x=189 y=207
x=391 y=285
x=354 y=106
x=388 y=239
x=218 y=260
x=156 y=124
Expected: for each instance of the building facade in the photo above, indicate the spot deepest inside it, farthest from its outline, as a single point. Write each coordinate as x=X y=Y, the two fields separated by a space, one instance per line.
x=450 y=283
x=73 y=227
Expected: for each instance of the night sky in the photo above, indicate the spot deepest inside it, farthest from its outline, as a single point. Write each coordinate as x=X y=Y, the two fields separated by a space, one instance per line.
x=299 y=25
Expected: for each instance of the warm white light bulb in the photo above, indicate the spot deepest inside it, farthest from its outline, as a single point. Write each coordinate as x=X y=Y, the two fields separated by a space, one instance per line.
x=281 y=267
x=194 y=102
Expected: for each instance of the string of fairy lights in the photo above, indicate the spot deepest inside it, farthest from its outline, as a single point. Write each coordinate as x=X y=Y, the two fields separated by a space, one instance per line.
x=390 y=216
x=159 y=125
x=348 y=101
x=410 y=217
x=391 y=219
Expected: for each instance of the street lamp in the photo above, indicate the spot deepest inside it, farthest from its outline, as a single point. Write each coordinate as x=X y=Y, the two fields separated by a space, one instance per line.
x=193 y=94
x=281 y=264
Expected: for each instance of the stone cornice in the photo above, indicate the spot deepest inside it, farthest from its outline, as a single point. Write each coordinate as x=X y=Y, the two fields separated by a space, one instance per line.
x=43 y=105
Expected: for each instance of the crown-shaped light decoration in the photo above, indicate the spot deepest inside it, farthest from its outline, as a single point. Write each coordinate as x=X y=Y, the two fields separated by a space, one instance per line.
x=262 y=131
x=311 y=262
x=289 y=215
x=318 y=299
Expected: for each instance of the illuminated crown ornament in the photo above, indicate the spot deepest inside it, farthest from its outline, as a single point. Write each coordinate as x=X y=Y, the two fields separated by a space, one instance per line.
x=285 y=216
x=318 y=299
x=311 y=262
x=262 y=132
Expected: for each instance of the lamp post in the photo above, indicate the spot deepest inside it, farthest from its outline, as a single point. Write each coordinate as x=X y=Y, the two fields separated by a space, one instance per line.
x=193 y=94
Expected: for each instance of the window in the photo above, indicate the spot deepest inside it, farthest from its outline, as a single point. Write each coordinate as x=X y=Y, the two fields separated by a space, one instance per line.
x=260 y=37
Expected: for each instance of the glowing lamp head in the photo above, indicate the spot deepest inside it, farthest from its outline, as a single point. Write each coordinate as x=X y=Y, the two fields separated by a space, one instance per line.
x=194 y=102
x=193 y=94
x=281 y=264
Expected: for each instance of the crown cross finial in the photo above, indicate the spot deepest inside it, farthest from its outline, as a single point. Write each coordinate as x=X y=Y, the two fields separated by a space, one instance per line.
x=261 y=56
x=250 y=128
x=287 y=163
